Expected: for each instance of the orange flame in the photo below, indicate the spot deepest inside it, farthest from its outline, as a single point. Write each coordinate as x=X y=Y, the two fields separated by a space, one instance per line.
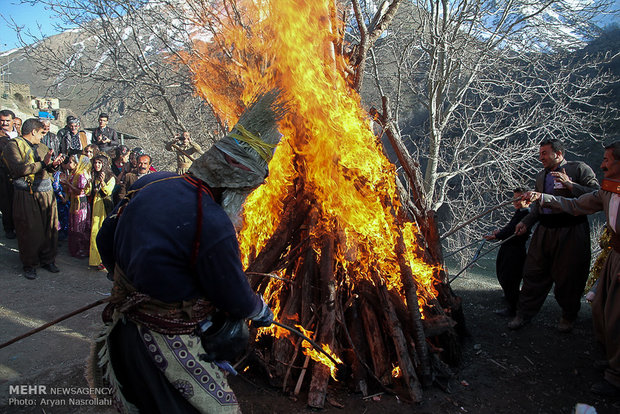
x=322 y=358
x=328 y=142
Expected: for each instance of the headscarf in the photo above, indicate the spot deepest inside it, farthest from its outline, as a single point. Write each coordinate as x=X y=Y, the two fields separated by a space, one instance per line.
x=83 y=167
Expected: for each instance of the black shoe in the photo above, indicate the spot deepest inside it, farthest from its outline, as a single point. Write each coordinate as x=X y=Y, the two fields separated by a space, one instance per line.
x=10 y=234
x=505 y=312
x=51 y=267
x=30 y=273
x=606 y=389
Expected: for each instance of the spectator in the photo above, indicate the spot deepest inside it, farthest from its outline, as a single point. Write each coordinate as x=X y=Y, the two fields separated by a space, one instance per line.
x=6 y=186
x=144 y=168
x=11 y=127
x=91 y=151
x=121 y=157
x=78 y=186
x=186 y=151
x=34 y=205
x=118 y=169
x=17 y=125
x=101 y=193
x=104 y=136
x=50 y=139
x=72 y=139
x=62 y=199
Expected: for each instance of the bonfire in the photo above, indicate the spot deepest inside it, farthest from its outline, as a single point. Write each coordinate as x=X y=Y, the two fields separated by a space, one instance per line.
x=325 y=239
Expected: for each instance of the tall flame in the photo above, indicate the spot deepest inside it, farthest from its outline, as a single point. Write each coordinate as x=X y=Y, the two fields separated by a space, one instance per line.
x=328 y=141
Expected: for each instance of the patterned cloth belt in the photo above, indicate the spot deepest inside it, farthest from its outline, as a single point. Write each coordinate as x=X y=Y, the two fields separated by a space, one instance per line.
x=164 y=317
x=614 y=241
x=38 y=185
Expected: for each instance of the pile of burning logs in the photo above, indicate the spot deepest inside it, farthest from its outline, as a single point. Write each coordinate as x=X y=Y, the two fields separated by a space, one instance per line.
x=383 y=341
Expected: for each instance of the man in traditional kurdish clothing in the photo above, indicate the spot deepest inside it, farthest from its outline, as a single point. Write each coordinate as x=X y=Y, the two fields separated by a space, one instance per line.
x=559 y=251
x=186 y=151
x=606 y=302
x=72 y=139
x=34 y=204
x=176 y=264
x=50 y=139
x=6 y=185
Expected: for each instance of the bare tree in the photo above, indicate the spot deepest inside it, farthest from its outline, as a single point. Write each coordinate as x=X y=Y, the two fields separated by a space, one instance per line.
x=125 y=56
x=481 y=83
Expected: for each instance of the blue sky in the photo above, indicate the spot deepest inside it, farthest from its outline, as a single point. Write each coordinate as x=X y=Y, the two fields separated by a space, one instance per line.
x=32 y=16
x=25 y=15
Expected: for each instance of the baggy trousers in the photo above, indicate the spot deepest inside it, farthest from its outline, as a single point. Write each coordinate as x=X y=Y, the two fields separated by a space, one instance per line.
x=6 y=201
x=36 y=224
x=606 y=315
x=556 y=255
x=509 y=269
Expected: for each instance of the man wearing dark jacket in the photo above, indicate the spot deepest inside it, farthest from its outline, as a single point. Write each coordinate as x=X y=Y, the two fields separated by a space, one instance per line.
x=104 y=136
x=177 y=264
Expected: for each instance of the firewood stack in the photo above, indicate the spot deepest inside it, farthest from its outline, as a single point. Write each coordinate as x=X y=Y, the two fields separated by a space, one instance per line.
x=354 y=310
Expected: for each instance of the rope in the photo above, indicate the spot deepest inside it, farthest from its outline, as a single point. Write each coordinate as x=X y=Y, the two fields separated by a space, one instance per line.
x=263 y=149
x=479 y=256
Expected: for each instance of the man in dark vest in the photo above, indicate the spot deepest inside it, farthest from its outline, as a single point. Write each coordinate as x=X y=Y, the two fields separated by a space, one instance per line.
x=559 y=251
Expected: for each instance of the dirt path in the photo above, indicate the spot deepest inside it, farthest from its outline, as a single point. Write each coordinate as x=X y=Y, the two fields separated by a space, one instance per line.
x=535 y=370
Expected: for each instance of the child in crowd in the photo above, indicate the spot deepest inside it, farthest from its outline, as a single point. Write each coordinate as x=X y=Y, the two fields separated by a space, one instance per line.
x=78 y=186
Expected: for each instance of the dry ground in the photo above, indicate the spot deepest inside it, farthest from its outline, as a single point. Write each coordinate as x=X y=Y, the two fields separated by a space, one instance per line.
x=535 y=370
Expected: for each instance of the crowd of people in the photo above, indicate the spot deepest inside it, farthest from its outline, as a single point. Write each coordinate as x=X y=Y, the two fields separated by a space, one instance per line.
x=88 y=176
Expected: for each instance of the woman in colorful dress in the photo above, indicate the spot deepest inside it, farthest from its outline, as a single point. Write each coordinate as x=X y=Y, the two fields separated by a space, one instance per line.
x=101 y=193
x=79 y=214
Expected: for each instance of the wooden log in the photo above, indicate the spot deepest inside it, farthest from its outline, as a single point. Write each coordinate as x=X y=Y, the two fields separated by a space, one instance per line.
x=320 y=372
x=309 y=297
x=376 y=346
x=283 y=348
x=294 y=215
x=400 y=344
x=410 y=287
x=353 y=319
x=437 y=325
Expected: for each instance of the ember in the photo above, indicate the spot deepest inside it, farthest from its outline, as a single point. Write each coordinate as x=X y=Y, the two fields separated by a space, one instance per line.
x=328 y=219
